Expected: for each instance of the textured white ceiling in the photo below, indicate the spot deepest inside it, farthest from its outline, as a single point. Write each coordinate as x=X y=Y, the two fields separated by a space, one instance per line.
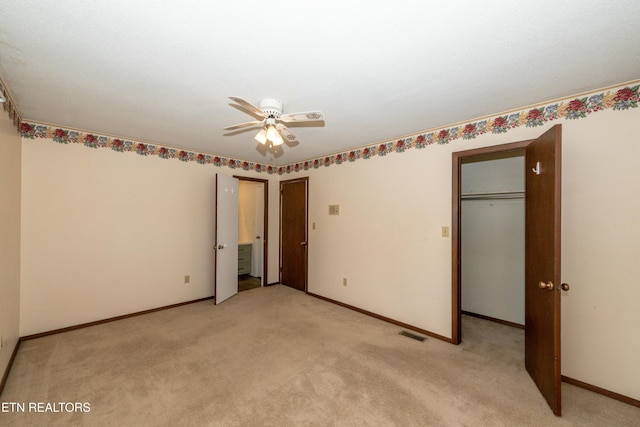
x=161 y=71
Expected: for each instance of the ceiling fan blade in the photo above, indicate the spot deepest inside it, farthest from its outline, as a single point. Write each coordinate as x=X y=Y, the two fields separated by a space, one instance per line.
x=247 y=106
x=286 y=133
x=244 y=125
x=309 y=116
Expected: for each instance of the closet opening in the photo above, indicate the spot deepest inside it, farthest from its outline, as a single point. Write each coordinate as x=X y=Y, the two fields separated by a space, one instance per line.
x=488 y=235
x=538 y=345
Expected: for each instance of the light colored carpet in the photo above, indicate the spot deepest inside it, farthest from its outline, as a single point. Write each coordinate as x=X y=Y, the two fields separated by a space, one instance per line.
x=277 y=357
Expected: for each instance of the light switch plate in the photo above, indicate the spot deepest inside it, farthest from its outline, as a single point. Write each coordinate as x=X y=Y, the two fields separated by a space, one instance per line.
x=334 y=209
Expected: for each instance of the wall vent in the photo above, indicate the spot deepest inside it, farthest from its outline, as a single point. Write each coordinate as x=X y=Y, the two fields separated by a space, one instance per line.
x=413 y=336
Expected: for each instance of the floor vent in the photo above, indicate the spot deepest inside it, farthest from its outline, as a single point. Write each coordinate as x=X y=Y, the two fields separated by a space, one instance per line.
x=414 y=336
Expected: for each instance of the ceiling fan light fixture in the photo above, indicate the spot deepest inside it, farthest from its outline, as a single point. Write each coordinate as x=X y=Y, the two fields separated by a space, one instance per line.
x=273 y=135
x=277 y=140
x=274 y=129
x=261 y=137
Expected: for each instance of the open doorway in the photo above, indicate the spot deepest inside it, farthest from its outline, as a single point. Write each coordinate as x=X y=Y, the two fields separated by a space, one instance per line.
x=488 y=202
x=252 y=232
x=492 y=220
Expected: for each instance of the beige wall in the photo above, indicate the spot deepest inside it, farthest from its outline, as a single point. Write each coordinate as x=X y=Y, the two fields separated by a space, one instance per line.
x=247 y=226
x=108 y=233
x=250 y=221
x=387 y=240
x=10 y=164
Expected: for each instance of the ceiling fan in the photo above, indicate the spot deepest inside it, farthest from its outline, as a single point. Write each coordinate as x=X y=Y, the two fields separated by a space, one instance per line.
x=273 y=128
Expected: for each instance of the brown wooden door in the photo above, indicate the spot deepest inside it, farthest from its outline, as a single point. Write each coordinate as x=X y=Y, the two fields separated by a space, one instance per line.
x=293 y=233
x=542 y=264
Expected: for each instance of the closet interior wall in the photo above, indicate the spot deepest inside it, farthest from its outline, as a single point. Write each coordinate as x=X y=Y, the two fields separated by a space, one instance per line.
x=492 y=237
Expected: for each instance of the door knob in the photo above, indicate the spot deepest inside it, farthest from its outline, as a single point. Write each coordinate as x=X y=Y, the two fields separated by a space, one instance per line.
x=565 y=287
x=222 y=246
x=548 y=285
x=303 y=243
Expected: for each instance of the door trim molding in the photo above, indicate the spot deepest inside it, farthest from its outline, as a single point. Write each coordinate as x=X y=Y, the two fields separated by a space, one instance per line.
x=265 y=219
x=456 y=224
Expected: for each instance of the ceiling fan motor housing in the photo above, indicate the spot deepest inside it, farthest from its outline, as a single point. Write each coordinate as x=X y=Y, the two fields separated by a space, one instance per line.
x=271 y=107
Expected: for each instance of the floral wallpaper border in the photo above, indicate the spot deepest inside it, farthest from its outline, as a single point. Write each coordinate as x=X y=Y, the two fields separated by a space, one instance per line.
x=621 y=98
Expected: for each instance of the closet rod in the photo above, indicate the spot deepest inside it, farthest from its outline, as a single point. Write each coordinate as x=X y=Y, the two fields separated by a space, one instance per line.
x=494 y=196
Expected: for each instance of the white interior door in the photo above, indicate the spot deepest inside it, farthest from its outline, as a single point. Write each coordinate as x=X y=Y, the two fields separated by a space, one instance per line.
x=226 y=261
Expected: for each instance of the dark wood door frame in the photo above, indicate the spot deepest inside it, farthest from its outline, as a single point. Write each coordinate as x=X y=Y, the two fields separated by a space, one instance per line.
x=456 y=224
x=306 y=231
x=265 y=237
